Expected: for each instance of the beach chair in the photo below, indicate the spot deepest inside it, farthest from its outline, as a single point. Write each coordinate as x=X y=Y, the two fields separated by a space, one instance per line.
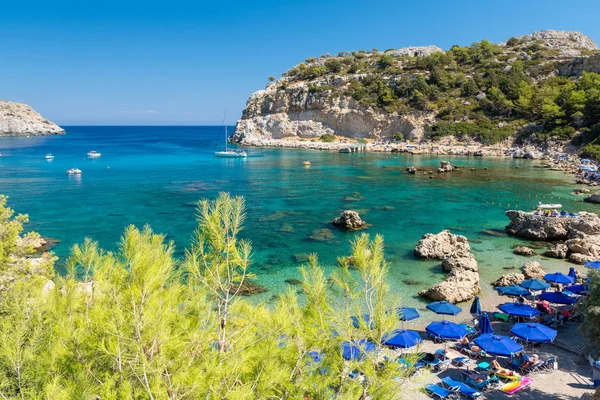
x=433 y=362
x=412 y=369
x=470 y=330
x=463 y=389
x=461 y=361
x=469 y=352
x=548 y=365
x=479 y=381
x=439 y=392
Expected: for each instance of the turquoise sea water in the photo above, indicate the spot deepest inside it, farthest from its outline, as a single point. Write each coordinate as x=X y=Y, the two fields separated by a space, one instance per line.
x=156 y=174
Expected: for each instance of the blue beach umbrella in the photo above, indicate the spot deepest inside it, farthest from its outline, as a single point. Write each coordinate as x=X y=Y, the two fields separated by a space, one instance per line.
x=475 y=307
x=558 y=298
x=407 y=313
x=485 y=326
x=365 y=318
x=577 y=289
x=357 y=349
x=446 y=330
x=512 y=290
x=572 y=273
x=444 y=307
x=592 y=264
x=498 y=345
x=533 y=332
x=518 y=310
x=402 y=338
x=559 y=277
x=534 y=284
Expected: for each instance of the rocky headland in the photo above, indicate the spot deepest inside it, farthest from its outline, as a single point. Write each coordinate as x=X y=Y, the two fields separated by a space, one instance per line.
x=456 y=101
x=18 y=119
x=462 y=282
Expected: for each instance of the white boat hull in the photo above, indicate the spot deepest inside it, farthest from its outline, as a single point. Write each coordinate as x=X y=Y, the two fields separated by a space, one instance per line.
x=230 y=154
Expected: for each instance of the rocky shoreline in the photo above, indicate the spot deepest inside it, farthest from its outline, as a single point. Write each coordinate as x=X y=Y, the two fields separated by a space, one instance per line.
x=18 y=119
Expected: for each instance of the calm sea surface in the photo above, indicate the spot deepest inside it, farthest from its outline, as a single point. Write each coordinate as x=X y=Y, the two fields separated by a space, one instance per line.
x=156 y=175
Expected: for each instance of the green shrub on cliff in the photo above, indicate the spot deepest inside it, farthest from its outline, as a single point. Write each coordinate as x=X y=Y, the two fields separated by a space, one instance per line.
x=327 y=138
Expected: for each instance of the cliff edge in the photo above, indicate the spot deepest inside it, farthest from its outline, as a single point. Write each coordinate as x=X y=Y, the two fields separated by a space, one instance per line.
x=18 y=119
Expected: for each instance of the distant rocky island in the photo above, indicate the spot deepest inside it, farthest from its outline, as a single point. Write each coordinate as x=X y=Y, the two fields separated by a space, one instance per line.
x=537 y=89
x=18 y=119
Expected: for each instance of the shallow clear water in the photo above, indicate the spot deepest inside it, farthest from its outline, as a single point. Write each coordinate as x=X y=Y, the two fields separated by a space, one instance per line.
x=156 y=175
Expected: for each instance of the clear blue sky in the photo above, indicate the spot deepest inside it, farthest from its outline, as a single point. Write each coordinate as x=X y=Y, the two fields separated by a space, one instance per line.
x=172 y=62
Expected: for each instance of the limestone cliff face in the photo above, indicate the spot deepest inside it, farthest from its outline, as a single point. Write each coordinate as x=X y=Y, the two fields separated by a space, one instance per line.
x=17 y=119
x=304 y=106
x=297 y=112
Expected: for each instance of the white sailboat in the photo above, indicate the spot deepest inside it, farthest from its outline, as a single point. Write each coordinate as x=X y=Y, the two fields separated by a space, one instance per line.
x=229 y=153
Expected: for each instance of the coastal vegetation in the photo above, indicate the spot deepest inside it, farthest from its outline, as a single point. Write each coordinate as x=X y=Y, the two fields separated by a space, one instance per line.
x=484 y=92
x=138 y=323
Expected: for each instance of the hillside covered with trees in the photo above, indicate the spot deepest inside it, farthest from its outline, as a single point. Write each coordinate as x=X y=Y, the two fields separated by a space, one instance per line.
x=525 y=89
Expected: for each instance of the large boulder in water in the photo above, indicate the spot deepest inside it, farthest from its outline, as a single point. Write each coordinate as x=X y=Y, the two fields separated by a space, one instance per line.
x=533 y=270
x=462 y=282
x=595 y=198
x=559 y=250
x=540 y=227
x=459 y=286
x=512 y=278
x=445 y=166
x=460 y=262
x=350 y=220
x=442 y=245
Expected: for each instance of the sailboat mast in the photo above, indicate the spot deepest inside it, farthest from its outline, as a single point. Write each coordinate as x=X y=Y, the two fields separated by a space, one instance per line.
x=226 y=148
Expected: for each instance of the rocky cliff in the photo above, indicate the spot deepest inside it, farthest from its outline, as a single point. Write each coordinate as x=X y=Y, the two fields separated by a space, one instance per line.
x=414 y=92
x=18 y=119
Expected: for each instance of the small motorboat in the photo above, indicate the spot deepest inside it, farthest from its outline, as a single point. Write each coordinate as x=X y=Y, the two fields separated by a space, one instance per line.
x=49 y=157
x=94 y=154
x=74 y=171
x=306 y=162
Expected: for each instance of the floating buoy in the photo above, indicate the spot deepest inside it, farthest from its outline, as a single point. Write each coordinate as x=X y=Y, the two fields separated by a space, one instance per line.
x=306 y=163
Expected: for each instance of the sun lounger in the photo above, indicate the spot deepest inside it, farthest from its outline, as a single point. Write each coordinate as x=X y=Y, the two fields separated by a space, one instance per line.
x=439 y=392
x=480 y=381
x=471 y=331
x=475 y=354
x=435 y=363
x=461 y=361
x=463 y=389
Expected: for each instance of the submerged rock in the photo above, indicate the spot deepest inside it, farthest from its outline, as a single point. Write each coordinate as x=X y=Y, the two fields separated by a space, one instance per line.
x=321 y=235
x=349 y=220
x=524 y=251
x=293 y=282
x=248 y=288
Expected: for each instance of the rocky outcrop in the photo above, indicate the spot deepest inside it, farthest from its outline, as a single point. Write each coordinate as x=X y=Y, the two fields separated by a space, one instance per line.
x=533 y=270
x=414 y=51
x=594 y=198
x=442 y=245
x=524 y=251
x=540 y=227
x=512 y=278
x=18 y=119
x=349 y=220
x=445 y=166
x=566 y=43
x=558 y=250
x=462 y=282
x=578 y=65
